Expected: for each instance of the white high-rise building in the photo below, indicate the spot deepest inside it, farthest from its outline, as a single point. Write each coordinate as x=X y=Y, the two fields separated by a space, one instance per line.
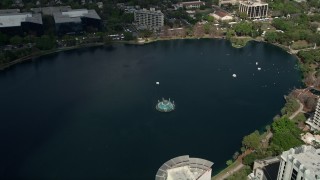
x=300 y=163
x=254 y=9
x=315 y=121
x=149 y=19
x=185 y=168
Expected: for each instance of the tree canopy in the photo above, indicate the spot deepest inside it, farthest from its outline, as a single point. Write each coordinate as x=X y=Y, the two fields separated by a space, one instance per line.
x=251 y=141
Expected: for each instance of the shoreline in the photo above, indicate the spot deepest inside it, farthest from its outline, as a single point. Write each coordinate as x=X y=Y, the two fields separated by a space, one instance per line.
x=146 y=41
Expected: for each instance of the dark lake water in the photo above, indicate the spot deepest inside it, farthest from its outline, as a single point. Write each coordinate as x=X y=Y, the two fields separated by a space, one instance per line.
x=90 y=113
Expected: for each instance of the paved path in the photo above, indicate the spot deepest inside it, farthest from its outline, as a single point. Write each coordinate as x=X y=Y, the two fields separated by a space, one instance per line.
x=233 y=170
x=297 y=111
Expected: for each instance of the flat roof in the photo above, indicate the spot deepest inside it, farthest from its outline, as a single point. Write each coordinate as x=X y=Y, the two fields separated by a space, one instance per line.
x=191 y=2
x=308 y=156
x=51 y=10
x=183 y=167
x=15 y=19
x=74 y=15
x=253 y=3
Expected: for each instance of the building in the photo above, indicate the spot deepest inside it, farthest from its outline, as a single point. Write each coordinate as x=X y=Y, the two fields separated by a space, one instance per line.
x=265 y=169
x=232 y=2
x=221 y=16
x=14 y=23
x=76 y=21
x=314 y=122
x=148 y=19
x=185 y=167
x=300 y=163
x=191 y=4
x=51 y=10
x=254 y=9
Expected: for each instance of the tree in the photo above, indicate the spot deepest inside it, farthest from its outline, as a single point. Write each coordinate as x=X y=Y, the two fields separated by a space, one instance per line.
x=252 y=141
x=268 y=128
x=16 y=40
x=271 y=37
x=128 y=36
x=3 y=39
x=235 y=155
x=243 y=15
x=230 y=33
x=286 y=135
x=243 y=28
x=45 y=42
x=229 y=162
x=206 y=28
x=210 y=18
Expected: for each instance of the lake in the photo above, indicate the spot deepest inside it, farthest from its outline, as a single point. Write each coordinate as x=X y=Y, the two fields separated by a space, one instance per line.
x=90 y=113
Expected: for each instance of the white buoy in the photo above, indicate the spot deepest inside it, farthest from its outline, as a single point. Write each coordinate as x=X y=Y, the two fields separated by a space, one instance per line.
x=157 y=83
x=234 y=75
x=259 y=68
x=256 y=63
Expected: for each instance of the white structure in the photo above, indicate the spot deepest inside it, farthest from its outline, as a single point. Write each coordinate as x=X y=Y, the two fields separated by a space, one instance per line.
x=254 y=9
x=185 y=168
x=148 y=19
x=17 y=19
x=265 y=169
x=300 y=163
x=315 y=121
x=221 y=16
x=191 y=4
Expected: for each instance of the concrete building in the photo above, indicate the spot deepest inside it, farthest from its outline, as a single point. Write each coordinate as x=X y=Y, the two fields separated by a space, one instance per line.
x=13 y=22
x=76 y=21
x=148 y=19
x=301 y=163
x=51 y=10
x=254 y=9
x=191 y=4
x=265 y=169
x=232 y=2
x=185 y=167
x=221 y=16
x=314 y=122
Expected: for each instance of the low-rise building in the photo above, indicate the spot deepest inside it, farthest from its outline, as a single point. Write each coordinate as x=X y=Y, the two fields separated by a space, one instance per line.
x=265 y=169
x=221 y=16
x=76 y=21
x=148 y=19
x=300 y=163
x=191 y=4
x=232 y=2
x=13 y=22
x=51 y=10
x=254 y=9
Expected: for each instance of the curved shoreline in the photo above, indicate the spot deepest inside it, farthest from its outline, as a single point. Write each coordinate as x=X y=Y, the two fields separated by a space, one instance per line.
x=147 y=41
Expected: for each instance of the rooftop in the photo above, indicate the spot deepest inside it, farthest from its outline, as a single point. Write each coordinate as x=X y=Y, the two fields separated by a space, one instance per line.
x=151 y=11
x=51 y=10
x=253 y=3
x=221 y=13
x=183 y=167
x=191 y=3
x=308 y=156
x=15 y=19
x=74 y=15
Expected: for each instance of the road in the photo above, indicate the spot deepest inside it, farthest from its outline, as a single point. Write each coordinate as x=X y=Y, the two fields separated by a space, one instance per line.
x=233 y=170
x=297 y=111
